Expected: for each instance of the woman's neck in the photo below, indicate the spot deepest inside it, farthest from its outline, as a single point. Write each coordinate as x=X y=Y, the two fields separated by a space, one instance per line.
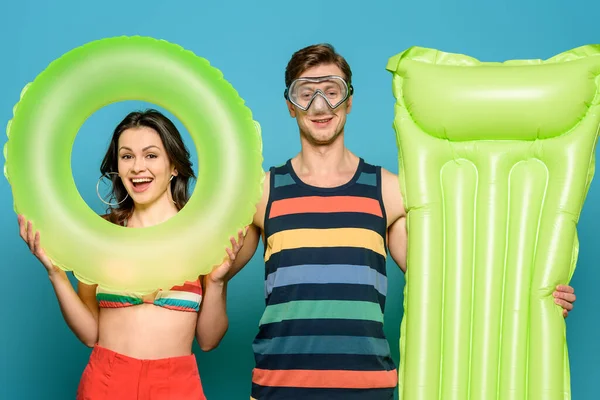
x=146 y=215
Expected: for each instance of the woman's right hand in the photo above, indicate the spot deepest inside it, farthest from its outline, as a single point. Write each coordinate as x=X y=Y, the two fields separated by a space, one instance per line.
x=33 y=241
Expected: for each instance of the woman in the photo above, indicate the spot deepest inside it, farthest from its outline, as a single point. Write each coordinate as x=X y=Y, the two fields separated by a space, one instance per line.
x=142 y=345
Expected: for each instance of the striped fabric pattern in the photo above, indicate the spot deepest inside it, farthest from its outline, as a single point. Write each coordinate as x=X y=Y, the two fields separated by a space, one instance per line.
x=186 y=297
x=321 y=334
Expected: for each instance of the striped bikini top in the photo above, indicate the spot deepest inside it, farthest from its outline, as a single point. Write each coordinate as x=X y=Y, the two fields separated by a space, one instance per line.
x=186 y=297
x=321 y=334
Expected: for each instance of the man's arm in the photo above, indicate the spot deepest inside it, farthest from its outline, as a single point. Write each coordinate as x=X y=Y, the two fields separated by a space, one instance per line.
x=396 y=218
x=398 y=242
x=253 y=233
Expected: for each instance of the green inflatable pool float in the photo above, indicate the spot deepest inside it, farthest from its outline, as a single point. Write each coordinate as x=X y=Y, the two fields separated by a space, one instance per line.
x=38 y=163
x=495 y=162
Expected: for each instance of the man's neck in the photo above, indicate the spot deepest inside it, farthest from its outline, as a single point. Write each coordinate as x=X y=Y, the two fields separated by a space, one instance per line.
x=325 y=166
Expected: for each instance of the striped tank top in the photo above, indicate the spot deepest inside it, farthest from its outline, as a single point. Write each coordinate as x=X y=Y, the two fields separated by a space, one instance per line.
x=321 y=334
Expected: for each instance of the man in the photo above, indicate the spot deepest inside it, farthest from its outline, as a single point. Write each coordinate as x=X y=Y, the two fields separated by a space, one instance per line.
x=327 y=219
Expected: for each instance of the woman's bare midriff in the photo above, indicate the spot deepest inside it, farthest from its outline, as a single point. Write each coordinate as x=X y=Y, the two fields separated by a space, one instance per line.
x=147 y=331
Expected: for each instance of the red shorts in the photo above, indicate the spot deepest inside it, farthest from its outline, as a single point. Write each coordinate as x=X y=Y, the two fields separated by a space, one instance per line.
x=112 y=376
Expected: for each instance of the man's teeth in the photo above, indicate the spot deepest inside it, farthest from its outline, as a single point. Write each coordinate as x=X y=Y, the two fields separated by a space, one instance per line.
x=322 y=120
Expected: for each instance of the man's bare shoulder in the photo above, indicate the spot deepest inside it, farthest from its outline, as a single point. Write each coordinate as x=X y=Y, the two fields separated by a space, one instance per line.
x=390 y=182
x=261 y=206
x=389 y=177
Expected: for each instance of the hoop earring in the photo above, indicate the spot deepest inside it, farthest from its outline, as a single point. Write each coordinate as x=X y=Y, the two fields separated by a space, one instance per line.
x=172 y=176
x=100 y=197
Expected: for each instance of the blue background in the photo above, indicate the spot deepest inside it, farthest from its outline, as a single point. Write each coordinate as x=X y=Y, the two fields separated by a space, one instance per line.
x=251 y=42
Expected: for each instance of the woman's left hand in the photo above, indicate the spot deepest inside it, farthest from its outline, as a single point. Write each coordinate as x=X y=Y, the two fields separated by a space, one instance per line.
x=219 y=274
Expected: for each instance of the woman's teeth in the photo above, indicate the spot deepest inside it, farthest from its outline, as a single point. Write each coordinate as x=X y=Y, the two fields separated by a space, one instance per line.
x=141 y=183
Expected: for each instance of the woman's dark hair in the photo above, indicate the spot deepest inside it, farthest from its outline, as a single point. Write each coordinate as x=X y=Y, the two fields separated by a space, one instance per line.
x=177 y=153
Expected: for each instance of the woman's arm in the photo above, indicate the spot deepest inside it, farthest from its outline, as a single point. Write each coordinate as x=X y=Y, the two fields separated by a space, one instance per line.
x=212 y=321
x=80 y=310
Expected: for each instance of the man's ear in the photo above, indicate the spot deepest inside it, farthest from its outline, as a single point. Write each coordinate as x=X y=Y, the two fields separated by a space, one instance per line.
x=291 y=109
x=349 y=104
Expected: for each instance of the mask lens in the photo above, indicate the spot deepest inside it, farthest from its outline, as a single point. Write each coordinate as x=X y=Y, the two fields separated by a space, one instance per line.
x=333 y=89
